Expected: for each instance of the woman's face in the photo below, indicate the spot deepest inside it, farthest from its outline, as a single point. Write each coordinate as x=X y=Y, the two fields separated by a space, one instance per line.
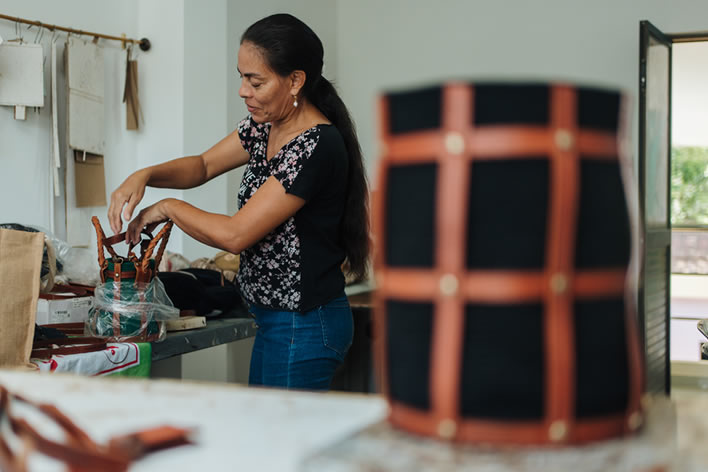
x=267 y=95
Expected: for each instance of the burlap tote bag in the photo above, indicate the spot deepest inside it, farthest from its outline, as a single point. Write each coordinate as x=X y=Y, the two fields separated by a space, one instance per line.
x=20 y=266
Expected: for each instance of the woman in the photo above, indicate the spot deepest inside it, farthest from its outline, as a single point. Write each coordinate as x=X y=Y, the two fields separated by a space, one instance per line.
x=302 y=205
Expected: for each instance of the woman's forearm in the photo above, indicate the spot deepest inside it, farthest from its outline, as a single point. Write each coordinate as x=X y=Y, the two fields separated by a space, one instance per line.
x=182 y=173
x=211 y=229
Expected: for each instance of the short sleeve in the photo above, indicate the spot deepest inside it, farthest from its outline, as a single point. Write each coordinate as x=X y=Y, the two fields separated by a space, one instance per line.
x=310 y=162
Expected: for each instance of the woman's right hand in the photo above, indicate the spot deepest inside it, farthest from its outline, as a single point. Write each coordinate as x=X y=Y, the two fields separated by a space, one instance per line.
x=128 y=194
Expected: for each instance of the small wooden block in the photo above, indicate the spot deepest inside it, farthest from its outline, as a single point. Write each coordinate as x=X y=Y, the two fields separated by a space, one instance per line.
x=186 y=322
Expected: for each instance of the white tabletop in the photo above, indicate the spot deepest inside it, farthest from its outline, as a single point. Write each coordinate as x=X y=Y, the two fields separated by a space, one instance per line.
x=238 y=428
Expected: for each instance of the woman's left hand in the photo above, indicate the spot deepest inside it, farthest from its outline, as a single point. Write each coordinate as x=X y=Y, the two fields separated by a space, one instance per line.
x=148 y=218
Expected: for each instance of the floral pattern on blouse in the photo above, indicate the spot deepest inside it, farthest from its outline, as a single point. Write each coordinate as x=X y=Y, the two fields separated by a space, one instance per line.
x=270 y=270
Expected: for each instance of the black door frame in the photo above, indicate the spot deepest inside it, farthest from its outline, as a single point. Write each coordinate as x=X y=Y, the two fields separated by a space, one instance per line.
x=653 y=237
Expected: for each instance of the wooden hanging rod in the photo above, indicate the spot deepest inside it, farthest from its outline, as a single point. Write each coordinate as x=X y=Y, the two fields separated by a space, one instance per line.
x=144 y=43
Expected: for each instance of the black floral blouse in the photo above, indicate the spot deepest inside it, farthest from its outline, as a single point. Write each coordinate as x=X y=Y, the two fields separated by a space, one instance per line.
x=296 y=267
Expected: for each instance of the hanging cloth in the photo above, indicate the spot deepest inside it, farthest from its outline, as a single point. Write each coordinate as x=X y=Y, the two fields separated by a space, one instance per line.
x=85 y=78
x=133 y=112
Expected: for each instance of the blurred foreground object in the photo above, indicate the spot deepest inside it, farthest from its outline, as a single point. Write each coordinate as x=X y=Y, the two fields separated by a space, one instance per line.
x=502 y=252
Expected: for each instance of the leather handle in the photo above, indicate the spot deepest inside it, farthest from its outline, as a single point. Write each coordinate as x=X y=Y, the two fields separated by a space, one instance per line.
x=100 y=241
x=161 y=238
x=146 y=247
x=79 y=452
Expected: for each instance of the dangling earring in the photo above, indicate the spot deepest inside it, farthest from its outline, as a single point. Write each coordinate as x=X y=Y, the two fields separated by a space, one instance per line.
x=295 y=101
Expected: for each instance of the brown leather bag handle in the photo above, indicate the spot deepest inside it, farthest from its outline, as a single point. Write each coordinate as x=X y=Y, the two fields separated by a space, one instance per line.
x=79 y=452
x=146 y=249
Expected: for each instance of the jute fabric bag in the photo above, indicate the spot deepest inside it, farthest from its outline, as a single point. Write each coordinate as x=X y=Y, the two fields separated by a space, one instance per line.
x=20 y=266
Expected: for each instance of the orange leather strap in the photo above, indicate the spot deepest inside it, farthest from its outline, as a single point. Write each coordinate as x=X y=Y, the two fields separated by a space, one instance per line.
x=79 y=452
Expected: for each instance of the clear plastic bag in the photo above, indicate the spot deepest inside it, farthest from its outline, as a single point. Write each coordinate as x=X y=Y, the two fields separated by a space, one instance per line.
x=77 y=264
x=138 y=314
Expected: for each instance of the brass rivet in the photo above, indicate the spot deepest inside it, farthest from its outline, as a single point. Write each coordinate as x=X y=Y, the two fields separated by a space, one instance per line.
x=564 y=139
x=558 y=431
x=449 y=285
x=454 y=142
x=559 y=283
x=635 y=421
x=447 y=429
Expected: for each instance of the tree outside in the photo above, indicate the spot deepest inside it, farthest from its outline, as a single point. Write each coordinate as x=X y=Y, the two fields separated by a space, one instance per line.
x=689 y=185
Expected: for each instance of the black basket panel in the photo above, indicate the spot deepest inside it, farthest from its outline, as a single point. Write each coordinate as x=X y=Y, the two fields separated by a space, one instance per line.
x=508 y=206
x=503 y=363
x=410 y=215
x=603 y=236
x=598 y=109
x=602 y=373
x=508 y=104
x=417 y=110
x=409 y=332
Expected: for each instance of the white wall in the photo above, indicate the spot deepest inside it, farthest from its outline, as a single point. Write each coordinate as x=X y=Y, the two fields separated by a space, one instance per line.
x=400 y=43
x=205 y=103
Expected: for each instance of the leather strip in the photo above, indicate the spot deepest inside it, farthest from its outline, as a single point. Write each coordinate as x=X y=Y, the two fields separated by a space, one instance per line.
x=379 y=249
x=67 y=328
x=500 y=287
x=136 y=445
x=67 y=341
x=560 y=253
x=448 y=321
x=500 y=142
x=131 y=274
x=506 y=432
x=48 y=352
x=115 y=239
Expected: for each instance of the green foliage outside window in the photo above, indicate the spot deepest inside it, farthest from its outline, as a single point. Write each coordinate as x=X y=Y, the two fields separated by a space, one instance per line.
x=689 y=185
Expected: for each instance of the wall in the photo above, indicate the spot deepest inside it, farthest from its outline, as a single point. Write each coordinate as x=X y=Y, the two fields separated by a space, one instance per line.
x=25 y=145
x=400 y=43
x=205 y=104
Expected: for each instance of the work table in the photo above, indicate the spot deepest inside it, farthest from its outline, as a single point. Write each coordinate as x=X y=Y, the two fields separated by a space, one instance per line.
x=242 y=428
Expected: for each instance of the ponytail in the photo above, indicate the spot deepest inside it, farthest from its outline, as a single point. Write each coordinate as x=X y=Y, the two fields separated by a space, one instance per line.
x=355 y=222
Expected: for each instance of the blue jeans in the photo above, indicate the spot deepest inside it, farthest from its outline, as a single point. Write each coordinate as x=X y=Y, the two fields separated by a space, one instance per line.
x=301 y=350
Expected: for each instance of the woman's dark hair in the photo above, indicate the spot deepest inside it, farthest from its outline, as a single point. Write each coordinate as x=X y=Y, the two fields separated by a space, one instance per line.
x=288 y=44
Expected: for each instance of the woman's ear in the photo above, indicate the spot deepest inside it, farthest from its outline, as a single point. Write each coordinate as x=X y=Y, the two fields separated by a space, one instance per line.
x=297 y=80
